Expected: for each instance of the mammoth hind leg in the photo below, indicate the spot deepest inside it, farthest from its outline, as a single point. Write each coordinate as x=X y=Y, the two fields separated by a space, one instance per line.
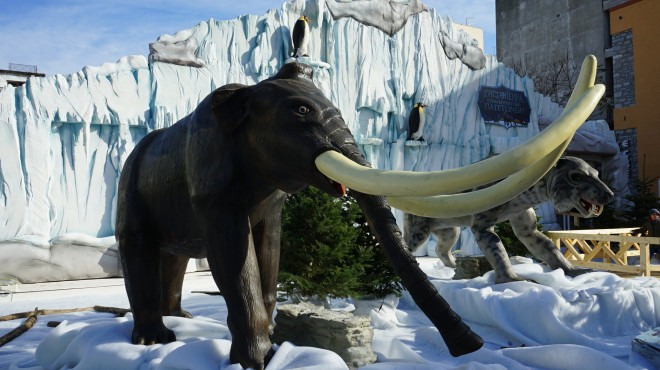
x=141 y=265
x=172 y=271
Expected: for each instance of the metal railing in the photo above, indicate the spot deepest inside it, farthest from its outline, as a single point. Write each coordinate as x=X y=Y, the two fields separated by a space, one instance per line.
x=22 y=68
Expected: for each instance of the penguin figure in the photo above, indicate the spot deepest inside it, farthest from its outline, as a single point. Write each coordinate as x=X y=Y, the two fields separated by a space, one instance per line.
x=416 y=122
x=301 y=37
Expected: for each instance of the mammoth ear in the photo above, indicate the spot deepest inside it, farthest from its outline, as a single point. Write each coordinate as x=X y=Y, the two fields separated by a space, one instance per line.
x=229 y=105
x=295 y=71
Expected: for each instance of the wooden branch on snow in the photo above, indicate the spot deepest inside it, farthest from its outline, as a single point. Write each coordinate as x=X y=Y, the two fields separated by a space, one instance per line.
x=32 y=318
x=25 y=326
x=21 y=315
x=119 y=312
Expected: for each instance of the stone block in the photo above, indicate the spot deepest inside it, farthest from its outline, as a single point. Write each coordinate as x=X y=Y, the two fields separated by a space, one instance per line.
x=346 y=334
x=648 y=345
x=471 y=267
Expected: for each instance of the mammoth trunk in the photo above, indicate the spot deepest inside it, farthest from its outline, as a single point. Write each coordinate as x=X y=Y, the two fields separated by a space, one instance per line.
x=459 y=338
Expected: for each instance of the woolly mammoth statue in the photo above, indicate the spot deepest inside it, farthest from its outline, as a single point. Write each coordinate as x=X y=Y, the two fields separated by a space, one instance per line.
x=213 y=185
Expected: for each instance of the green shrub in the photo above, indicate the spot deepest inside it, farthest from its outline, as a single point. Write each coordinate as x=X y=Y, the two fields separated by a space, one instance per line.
x=329 y=251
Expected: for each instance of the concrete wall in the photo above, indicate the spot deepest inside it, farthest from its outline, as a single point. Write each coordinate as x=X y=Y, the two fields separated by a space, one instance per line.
x=539 y=31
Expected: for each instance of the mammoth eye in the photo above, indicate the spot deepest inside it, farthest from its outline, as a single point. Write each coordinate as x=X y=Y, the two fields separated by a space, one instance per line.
x=302 y=109
x=576 y=177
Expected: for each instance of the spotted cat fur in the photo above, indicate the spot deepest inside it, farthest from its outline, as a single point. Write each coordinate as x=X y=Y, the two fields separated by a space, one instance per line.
x=571 y=183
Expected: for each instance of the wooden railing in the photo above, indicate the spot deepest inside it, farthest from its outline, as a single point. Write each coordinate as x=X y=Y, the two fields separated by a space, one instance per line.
x=593 y=249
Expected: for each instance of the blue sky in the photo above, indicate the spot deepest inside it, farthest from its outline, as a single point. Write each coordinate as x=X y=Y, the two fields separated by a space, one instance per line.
x=62 y=36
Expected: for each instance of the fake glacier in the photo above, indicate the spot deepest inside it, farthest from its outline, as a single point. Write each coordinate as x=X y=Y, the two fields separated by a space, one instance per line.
x=64 y=139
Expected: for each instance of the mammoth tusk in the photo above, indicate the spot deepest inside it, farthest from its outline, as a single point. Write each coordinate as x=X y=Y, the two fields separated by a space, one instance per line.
x=406 y=183
x=456 y=205
x=478 y=201
x=585 y=80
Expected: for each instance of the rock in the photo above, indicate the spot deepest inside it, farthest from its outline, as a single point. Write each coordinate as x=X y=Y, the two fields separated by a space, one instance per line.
x=648 y=345
x=471 y=267
x=346 y=334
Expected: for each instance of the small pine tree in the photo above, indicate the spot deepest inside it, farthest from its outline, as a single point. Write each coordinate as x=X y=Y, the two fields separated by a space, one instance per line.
x=642 y=200
x=379 y=277
x=328 y=250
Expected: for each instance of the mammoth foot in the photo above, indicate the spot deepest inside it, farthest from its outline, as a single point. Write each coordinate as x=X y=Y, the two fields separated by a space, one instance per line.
x=152 y=334
x=248 y=359
x=467 y=343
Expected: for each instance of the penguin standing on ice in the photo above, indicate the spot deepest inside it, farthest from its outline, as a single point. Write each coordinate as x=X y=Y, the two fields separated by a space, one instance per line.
x=416 y=122
x=301 y=37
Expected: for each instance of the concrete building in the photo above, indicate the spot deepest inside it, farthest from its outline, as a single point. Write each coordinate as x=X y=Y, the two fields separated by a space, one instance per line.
x=635 y=51
x=539 y=31
x=474 y=32
x=17 y=74
x=622 y=34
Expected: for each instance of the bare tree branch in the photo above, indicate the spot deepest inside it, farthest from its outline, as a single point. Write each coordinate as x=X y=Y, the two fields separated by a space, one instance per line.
x=556 y=79
x=21 y=315
x=25 y=326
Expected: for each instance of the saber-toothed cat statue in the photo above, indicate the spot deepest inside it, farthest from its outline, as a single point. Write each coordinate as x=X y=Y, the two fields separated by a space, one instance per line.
x=572 y=183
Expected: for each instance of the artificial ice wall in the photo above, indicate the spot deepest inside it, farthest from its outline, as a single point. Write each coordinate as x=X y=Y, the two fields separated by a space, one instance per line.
x=64 y=138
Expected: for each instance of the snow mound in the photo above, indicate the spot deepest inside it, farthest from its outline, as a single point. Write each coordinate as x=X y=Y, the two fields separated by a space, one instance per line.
x=201 y=344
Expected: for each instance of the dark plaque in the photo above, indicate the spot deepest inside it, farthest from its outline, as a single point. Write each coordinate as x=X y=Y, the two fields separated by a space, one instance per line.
x=503 y=106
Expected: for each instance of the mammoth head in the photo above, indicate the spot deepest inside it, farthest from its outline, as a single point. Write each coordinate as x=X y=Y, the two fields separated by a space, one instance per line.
x=285 y=122
x=230 y=103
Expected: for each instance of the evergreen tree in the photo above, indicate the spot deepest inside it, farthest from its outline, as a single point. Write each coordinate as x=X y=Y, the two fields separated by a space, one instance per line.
x=641 y=200
x=379 y=277
x=328 y=250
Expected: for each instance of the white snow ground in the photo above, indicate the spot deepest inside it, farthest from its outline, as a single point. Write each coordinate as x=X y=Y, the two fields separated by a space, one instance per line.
x=587 y=322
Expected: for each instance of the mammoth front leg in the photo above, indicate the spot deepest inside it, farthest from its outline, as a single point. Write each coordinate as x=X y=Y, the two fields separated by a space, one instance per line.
x=233 y=263
x=524 y=226
x=459 y=338
x=140 y=259
x=266 y=235
x=172 y=271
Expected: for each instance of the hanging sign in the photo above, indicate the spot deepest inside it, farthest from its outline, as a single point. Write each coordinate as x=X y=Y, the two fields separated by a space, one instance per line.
x=503 y=106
